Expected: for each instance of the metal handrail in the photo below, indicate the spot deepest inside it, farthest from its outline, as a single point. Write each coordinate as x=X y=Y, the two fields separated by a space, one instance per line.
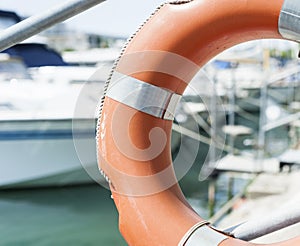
x=271 y=223
x=37 y=23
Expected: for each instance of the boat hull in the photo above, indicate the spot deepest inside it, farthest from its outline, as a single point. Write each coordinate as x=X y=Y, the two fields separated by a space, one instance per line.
x=43 y=153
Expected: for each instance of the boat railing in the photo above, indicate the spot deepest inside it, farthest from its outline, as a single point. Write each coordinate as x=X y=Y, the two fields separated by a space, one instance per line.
x=40 y=22
x=280 y=219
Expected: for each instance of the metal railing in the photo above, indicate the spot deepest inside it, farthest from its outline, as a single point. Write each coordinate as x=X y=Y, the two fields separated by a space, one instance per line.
x=37 y=23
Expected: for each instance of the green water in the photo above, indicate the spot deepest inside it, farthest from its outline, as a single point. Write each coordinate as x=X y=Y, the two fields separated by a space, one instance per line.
x=66 y=216
x=77 y=216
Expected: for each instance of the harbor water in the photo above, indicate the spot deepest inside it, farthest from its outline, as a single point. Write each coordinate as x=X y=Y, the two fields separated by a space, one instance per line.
x=82 y=215
x=60 y=216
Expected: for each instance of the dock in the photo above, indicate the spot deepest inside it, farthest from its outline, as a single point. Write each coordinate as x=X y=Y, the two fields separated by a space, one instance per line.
x=247 y=164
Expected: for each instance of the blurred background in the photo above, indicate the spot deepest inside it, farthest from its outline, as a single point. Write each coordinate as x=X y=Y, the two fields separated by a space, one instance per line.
x=245 y=110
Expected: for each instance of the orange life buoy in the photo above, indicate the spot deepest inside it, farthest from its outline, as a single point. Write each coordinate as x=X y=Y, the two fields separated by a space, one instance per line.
x=134 y=127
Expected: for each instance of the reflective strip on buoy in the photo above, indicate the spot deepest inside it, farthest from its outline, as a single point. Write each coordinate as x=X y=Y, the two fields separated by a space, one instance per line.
x=142 y=96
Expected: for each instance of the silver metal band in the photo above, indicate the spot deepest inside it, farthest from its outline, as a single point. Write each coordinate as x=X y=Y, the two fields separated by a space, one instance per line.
x=289 y=20
x=142 y=96
x=201 y=234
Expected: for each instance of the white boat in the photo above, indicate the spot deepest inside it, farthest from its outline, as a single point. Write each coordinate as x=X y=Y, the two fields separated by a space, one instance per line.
x=45 y=138
x=41 y=152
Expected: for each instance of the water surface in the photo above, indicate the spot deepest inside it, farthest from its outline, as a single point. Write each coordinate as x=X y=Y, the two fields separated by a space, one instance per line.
x=61 y=216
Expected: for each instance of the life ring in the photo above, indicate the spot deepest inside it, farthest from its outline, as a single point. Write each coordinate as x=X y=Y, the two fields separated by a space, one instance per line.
x=135 y=121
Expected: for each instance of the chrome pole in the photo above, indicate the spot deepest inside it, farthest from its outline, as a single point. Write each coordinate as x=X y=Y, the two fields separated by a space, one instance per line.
x=286 y=216
x=37 y=23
